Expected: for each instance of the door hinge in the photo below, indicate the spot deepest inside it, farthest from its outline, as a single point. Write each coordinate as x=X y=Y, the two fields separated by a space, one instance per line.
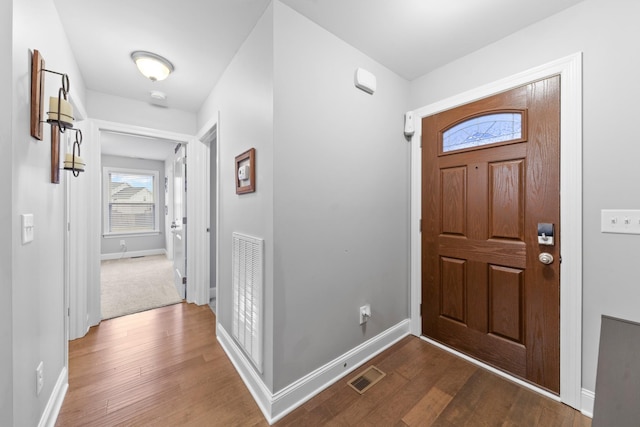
x=68 y=311
x=184 y=280
x=420 y=309
x=421 y=226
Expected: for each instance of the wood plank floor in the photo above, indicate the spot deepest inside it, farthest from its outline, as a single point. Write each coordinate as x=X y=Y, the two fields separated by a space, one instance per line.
x=164 y=367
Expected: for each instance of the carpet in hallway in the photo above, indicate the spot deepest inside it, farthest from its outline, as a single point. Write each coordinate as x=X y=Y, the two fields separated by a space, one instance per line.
x=131 y=285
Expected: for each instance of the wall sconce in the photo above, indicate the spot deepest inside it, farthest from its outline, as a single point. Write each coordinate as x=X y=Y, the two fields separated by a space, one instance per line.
x=152 y=66
x=60 y=117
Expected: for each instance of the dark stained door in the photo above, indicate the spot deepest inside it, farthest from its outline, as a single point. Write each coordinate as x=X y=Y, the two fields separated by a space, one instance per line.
x=484 y=290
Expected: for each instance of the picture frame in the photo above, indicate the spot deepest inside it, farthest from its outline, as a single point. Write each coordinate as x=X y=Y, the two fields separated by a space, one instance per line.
x=246 y=172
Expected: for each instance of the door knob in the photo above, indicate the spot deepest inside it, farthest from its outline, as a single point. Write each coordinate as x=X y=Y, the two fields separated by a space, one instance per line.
x=545 y=258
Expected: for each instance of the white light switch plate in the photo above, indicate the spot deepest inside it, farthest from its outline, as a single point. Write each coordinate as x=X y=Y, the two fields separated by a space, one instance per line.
x=620 y=221
x=27 y=228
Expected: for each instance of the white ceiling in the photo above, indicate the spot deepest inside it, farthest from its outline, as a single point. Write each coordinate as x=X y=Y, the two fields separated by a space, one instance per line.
x=200 y=37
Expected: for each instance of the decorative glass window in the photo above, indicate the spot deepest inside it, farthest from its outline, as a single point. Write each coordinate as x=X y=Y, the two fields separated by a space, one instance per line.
x=483 y=130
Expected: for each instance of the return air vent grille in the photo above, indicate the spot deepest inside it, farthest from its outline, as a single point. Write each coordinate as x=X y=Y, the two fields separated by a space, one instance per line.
x=248 y=302
x=366 y=380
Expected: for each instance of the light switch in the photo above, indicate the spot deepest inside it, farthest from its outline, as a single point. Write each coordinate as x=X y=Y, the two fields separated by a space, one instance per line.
x=620 y=221
x=27 y=228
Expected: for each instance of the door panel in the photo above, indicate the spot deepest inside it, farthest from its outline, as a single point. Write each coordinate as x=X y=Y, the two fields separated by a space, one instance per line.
x=178 y=226
x=484 y=291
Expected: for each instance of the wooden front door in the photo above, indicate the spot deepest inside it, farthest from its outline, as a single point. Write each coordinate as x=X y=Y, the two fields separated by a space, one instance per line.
x=490 y=175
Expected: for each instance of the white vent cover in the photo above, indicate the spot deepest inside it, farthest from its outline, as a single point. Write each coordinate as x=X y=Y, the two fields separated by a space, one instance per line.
x=248 y=256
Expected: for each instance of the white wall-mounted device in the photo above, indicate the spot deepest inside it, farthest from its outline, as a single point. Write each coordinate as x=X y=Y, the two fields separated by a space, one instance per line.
x=365 y=313
x=27 y=228
x=243 y=172
x=409 y=129
x=365 y=80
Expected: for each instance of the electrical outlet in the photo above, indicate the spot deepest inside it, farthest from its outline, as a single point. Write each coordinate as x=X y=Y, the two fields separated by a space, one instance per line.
x=39 y=378
x=365 y=313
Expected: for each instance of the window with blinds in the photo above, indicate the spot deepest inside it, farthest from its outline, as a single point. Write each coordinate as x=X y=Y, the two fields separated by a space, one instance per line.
x=131 y=201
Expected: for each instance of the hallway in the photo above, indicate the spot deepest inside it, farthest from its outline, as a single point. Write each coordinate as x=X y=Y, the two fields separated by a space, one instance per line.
x=164 y=367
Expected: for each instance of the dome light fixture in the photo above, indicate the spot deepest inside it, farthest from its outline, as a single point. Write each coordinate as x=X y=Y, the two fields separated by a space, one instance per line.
x=152 y=66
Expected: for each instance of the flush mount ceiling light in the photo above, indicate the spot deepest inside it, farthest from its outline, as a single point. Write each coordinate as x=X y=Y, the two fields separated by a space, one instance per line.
x=152 y=66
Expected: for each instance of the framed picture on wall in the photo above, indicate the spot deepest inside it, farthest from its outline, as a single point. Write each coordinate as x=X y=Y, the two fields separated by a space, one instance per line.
x=246 y=172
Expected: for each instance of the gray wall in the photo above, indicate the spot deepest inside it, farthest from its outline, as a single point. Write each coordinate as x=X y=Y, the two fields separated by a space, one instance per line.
x=244 y=97
x=341 y=198
x=37 y=268
x=6 y=214
x=332 y=193
x=111 y=245
x=607 y=32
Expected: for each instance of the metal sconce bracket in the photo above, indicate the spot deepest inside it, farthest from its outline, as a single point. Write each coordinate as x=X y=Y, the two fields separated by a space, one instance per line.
x=76 y=165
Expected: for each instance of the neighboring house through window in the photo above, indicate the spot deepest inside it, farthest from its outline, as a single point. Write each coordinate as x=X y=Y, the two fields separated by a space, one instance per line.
x=130 y=201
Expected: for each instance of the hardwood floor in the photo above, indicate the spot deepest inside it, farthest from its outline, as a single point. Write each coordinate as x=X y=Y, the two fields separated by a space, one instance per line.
x=164 y=367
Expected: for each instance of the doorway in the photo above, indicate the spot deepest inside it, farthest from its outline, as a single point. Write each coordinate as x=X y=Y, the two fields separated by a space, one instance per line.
x=490 y=187
x=569 y=69
x=209 y=196
x=137 y=264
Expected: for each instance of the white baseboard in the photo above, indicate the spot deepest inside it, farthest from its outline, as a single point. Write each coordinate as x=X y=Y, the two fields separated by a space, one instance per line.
x=588 y=400
x=119 y=255
x=261 y=394
x=212 y=292
x=51 y=411
x=274 y=406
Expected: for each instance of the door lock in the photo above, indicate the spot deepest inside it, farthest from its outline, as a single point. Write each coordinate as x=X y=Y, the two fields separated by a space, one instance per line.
x=545 y=233
x=545 y=258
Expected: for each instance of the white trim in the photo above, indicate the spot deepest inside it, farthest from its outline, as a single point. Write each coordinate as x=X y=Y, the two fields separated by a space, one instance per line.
x=588 y=401
x=94 y=200
x=51 y=411
x=275 y=406
x=131 y=234
x=123 y=128
x=258 y=389
x=148 y=252
x=570 y=70
x=207 y=136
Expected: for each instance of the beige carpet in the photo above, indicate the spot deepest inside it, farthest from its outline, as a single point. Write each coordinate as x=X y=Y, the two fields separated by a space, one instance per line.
x=131 y=285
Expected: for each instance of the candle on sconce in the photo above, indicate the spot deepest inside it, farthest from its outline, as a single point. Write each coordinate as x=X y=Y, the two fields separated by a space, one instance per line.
x=66 y=111
x=68 y=162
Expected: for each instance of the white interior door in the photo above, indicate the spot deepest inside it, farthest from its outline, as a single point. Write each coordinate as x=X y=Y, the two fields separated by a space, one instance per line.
x=179 y=223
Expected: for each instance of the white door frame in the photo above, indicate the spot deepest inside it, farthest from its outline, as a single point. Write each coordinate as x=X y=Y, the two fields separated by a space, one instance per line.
x=570 y=71
x=95 y=200
x=209 y=139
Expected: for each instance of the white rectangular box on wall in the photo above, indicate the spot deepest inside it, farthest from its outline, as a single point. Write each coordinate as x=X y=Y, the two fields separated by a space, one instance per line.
x=620 y=221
